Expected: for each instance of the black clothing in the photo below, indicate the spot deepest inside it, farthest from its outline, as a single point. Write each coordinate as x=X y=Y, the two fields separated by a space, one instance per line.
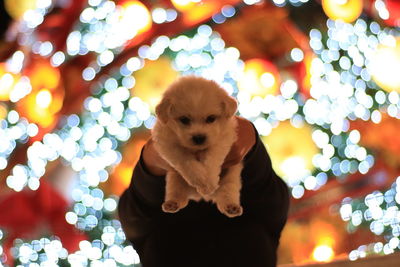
x=199 y=235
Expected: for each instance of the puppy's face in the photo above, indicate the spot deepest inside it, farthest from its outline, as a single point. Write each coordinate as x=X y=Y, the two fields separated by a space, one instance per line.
x=197 y=111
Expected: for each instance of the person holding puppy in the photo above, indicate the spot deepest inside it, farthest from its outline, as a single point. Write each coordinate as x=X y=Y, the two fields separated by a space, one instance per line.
x=200 y=235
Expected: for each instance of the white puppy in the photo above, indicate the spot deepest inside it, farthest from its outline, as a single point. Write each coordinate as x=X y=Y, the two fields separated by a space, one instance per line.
x=194 y=132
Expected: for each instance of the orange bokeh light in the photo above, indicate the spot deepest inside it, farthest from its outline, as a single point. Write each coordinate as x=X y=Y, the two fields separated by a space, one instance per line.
x=47 y=96
x=306 y=82
x=40 y=111
x=43 y=75
x=122 y=174
x=324 y=236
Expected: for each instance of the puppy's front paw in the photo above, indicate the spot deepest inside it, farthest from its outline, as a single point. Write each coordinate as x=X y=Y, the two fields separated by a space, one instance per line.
x=231 y=210
x=171 y=206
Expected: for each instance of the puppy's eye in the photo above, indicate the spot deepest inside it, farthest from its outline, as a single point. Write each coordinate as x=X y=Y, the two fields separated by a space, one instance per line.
x=184 y=120
x=211 y=119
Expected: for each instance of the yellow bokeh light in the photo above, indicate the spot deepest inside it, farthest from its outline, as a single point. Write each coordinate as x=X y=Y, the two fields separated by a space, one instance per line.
x=7 y=82
x=136 y=15
x=260 y=78
x=346 y=10
x=6 y=85
x=43 y=98
x=195 y=11
x=289 y=156
x=150 y=85
x=268 y=80
x=306 y=82
x=183 y=5
x=3 y=112
x=323 y=253
x=385 y=65
x=17 y=8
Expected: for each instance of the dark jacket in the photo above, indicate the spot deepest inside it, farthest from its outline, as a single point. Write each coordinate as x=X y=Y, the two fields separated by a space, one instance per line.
x=199 y=235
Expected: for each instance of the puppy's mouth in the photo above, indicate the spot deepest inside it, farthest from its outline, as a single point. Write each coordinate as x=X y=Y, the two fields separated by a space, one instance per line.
x=197 y=148
x=200 y=155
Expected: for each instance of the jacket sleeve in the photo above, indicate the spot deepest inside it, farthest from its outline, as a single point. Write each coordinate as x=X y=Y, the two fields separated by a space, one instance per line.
x=140 y=203
x=264 y=195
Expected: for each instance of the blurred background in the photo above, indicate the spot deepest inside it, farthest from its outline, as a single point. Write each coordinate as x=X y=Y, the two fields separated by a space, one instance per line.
x=320 y=79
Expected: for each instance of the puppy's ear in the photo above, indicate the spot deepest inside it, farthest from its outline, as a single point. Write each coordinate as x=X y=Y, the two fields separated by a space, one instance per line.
x=163 y=110
x=229 y=106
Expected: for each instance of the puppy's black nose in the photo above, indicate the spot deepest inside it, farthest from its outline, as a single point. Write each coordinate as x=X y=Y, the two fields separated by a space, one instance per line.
x=199 y=139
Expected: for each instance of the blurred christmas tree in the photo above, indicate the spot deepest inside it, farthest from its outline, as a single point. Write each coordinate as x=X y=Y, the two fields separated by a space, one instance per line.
x=79 y=81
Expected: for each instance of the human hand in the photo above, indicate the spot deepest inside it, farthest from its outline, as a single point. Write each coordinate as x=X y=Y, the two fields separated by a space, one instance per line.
x=245 y=141
x=156 y=165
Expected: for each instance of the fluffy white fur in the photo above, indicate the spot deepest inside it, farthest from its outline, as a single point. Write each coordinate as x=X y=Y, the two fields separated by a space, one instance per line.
x=194 y=132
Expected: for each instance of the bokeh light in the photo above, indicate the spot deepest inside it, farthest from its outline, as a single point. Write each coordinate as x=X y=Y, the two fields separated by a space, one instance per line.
x=384 y=65
x=259 y=78
x=7 y=82
x=292 y=160
x=17 y=8
x=47 y=95
x=323 y=253
x=135 y=16
x=183 y=5
x=149 y=84
x=345 y=10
